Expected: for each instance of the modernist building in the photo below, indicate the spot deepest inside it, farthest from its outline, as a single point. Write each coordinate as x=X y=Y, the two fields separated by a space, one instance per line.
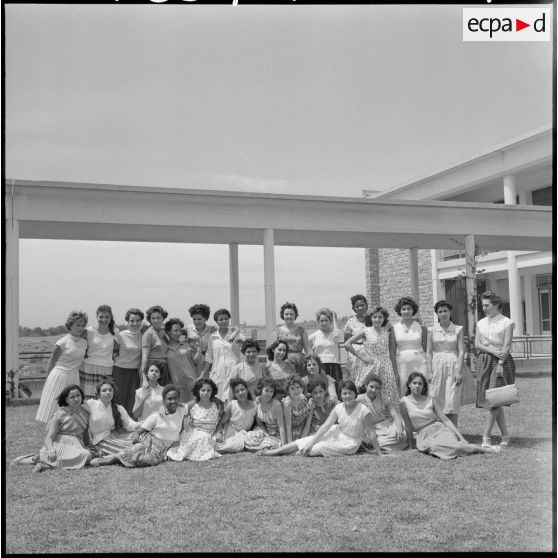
x=519 y=172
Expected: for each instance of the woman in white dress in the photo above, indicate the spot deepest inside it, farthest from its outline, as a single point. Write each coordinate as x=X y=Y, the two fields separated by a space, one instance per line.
x=223 y=353
x=325 y=343
x=342 y=432
x=63 y=366
x=101 y=348
x=199 y=332
x=495 y=366
x=410 y=338
x=444 y=358
x=237 y=419
x=354 y=325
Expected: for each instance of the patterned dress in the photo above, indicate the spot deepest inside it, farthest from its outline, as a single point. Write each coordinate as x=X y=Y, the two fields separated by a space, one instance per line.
x=295 y=343
x=68 y=442
x=196 y=442
x=492 y=332
x=260 y=439
x=354 y=364
x=410 y=352
x=386 y=429
x=299 y=411
x=320 y=414
x=443 y=389
x=376 y=346
x=237 y=428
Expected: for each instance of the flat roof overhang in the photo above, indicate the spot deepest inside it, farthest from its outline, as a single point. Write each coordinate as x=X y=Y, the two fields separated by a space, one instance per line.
x=79 y=211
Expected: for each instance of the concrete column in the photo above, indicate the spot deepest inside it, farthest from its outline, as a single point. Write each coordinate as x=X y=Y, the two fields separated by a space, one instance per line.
x=234 y=285
x=530 y=303
x=413 y=274
x=11 y=308
x=470 y=282
x=516 y=314
x=438 y=292
x=269 y=285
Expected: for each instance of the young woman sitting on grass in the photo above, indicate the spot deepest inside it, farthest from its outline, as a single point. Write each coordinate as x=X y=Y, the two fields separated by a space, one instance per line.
x=343 y=438
x=315 y=371
x=196 y=440
x=296 y=412
x=156 y=434
x=237 y=419
x=436 y=433
x=320 y=404
x=66 y=437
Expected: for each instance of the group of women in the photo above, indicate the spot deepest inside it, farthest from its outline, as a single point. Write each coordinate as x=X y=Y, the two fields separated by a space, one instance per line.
x=170 y=392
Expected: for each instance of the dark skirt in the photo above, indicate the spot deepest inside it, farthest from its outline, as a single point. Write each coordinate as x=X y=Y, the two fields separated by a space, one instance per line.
x=487 y=378
x=334 y=370
x=127 y=381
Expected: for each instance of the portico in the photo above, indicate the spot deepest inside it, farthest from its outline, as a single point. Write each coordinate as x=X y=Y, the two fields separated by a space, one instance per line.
x=78 y=211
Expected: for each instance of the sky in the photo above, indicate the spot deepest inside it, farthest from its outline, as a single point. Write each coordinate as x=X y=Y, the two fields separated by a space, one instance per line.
x=322 y=100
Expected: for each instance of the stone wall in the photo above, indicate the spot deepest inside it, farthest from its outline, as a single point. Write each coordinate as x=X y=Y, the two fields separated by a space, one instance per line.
x=388 y=279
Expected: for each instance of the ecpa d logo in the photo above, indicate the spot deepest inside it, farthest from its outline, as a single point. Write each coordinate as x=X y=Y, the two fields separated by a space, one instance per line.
x=507 y=24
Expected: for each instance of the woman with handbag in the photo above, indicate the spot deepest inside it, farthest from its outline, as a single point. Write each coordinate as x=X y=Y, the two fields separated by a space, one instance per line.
x=495 y=366
x=444 y=358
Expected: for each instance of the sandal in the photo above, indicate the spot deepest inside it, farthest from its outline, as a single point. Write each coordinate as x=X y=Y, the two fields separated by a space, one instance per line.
x=505 y=441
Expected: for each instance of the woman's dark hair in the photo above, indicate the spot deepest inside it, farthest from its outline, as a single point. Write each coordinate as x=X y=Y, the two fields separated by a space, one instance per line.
x=375 y=310
x=441 y=304
x=411 y=377
x=493 y=297
x=201 y=309
x=349 y=384
x=291 y=306
x=373 y=378
x=200 y=382
x=108 y=309
x=173 y=321
x=314 y=383
x=403 y=301
x=62 y=399
x=159 y=367
x=316 y=358
x=167 y=389
x=266 y=382
x=270 y=350
x=250 y=343
x=221 y=312
x=75 y=315
x=134 y=312
x=294 y=380
x=156 y=310
x=356 y=298
x=239 y=382
x=115 y=412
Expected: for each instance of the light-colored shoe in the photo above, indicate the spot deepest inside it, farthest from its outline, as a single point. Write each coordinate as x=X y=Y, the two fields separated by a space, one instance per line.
x=486 y=443
x=505 y=441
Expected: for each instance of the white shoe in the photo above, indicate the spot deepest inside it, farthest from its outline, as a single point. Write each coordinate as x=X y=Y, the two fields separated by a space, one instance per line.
x=486 y=443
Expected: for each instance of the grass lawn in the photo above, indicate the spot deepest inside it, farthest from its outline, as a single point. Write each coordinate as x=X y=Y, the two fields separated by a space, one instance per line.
x=241 y=502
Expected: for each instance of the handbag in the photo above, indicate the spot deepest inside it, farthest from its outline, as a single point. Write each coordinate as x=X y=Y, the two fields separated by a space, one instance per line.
x=500 y=396
x=468 y=388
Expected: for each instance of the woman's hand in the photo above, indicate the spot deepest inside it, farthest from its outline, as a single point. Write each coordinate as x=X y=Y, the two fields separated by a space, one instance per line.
x=458 y=379
x=499 y=370
x=502 y=355
x=51 y=454
x=306 y=450
x=311 y=404
x=367 y=359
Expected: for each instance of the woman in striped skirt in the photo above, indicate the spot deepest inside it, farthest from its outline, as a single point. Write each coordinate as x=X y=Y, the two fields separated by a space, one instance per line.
x=101 y=345
x=109 y=423
x=63 y=367
x=495 y=366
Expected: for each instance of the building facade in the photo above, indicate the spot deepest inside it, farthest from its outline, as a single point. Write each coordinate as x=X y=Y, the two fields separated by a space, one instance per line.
x=519 y=172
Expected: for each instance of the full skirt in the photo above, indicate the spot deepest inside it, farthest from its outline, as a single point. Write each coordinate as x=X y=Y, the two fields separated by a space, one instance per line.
x=56 y=381
x=195 y=445
x=438 y=440
x=333 y=443
x=70 y=453
x=485 y=368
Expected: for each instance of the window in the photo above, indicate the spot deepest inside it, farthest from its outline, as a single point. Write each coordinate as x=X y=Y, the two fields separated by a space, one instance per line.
x=542 y=196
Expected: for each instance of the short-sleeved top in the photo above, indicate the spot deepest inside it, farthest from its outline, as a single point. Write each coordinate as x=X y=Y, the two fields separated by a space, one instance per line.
x=99 y=347
x=201 y=336
x=493 y=330
x=165 y=426
x=352 y=424
x=445 y=340
x=421 y=413
x=325 y=345
x=354 y=326
x=101 y=421
x=152 y=403
x=130 y=349
x=248 y=373
x=73 y=351
x=156 y=342
x=180 y=360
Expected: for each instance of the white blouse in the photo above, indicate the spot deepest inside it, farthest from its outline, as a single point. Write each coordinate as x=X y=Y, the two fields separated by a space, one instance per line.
x=326 y=345
x=101 y=421
x=99 y=347
x=165 y=426
x=493 y=330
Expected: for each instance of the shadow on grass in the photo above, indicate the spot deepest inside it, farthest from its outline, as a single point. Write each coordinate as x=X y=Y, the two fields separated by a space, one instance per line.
x=516 y=441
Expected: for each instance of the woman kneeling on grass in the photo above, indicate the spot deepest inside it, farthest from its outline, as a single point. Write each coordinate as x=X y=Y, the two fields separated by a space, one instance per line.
x=333 y=439
x=436 y=433
x=156 y=434
x=66 y=437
